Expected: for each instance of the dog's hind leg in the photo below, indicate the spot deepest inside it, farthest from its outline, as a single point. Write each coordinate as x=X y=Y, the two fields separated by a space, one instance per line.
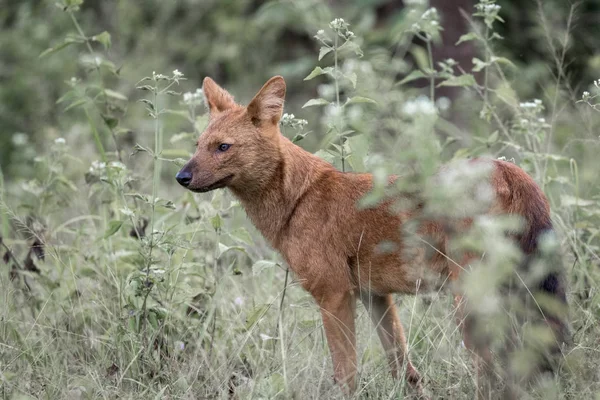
x=390 y=331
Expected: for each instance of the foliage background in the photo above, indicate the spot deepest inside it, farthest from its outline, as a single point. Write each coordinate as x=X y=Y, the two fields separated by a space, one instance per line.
x=217 y=287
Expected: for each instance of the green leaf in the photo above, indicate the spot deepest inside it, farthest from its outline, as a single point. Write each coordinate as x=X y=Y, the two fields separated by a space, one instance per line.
x=75 y=104
x=315 y=72
x=223 y=249
x=261 y=265
x=351 y=46
x=146 y=87
x=479 y=64
x=147 y=102
x=413 y=76
x=115 y=95
x=113 y=227
x=111 y=122
x=467 y=37
x=216 y=222
x=242 y=235
x=57 y=48
x=315 y=102
x=421 y=57
x=257 y=313
x=352 y=78
x=465 y=80
x=493 y=137
x=103 y=38
x=324 y=51
x=319 y=71
x=502 y=60
x=359 y=99
x=569 y=201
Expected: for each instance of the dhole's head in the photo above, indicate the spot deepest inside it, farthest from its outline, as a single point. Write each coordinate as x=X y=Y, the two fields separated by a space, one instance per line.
x=240 y=146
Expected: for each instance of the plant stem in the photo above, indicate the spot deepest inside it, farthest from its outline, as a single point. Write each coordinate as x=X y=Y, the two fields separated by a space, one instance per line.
x=337 y=101
x=97 y=68
x=432 y=72
x=485 y=70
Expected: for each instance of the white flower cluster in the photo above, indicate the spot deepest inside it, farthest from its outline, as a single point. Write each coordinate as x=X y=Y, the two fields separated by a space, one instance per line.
x=60 y=141
x=419 y=106
x=159 y=77
x=194 y=99
x=99 y=167
x=409 y=3
x=531 y=119
x=488 y=8
x=293 y=122
x=20 y=139
x=530 y=105
x=429 y=23
x=586 y=96
x=340 y=27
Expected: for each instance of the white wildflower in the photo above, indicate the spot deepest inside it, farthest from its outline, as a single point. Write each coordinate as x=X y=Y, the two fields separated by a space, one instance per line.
x=60 y=141
x=419 y=106
x=20 y=139
x=126 y=211
x=177 y=74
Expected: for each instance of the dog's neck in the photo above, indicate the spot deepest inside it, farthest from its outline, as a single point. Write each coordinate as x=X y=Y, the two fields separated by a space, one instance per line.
x=271 y=207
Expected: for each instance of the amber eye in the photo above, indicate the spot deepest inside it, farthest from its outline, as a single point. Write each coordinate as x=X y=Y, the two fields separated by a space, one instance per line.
x=224 y=147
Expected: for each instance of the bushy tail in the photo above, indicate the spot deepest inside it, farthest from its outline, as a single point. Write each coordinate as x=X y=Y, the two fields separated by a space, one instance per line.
x=549 y=289
x=521 y=195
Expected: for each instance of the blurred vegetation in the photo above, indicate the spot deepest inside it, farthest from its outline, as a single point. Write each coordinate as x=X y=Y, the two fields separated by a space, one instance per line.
x=117 y=283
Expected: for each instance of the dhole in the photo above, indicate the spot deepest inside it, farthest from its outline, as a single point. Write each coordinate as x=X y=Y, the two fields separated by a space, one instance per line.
x=308 y=212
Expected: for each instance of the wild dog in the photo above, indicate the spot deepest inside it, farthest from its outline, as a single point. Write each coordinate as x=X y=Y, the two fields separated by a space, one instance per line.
x=308 y=211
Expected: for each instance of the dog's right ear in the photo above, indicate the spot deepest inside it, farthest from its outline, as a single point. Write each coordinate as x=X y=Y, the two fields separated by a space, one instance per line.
x=217 y=98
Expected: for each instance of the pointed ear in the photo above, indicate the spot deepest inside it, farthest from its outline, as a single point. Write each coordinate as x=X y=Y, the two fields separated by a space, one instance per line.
x=267 y=105
x=217 y=98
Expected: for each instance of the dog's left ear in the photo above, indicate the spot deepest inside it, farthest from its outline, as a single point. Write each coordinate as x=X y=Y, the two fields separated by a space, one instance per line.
x=267 y=105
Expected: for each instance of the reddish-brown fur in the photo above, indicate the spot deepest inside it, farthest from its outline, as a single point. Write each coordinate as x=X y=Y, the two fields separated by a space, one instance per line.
x=308 y=212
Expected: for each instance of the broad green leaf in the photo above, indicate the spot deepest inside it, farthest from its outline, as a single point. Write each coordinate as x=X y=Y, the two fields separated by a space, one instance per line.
x=570 y=201
x=351 y=46
x=467 y=37
x=216 y=222
x=493 y=137
x=352 y=78
x=75 y=104
x=115 y=95
x=59 y=47
x=223 y=249
x=359 y=99
x=502 y=60
x=315 y=72
x=261 y=265
x=242 y=235
x=479 y=64
x=465 y=80
x=324 y=51
x=113 y=227
x=315 y=102
x=412 y=77
x=421 y=57
x=103 y=38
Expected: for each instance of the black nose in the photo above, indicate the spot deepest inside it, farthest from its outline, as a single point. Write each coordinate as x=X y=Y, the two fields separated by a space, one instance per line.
x=184 y=178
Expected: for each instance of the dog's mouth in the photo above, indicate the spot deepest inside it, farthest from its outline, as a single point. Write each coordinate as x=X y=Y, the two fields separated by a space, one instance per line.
x=221 y=183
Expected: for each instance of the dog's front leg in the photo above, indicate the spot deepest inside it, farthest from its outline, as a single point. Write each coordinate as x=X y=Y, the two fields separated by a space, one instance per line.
x=338 y=312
